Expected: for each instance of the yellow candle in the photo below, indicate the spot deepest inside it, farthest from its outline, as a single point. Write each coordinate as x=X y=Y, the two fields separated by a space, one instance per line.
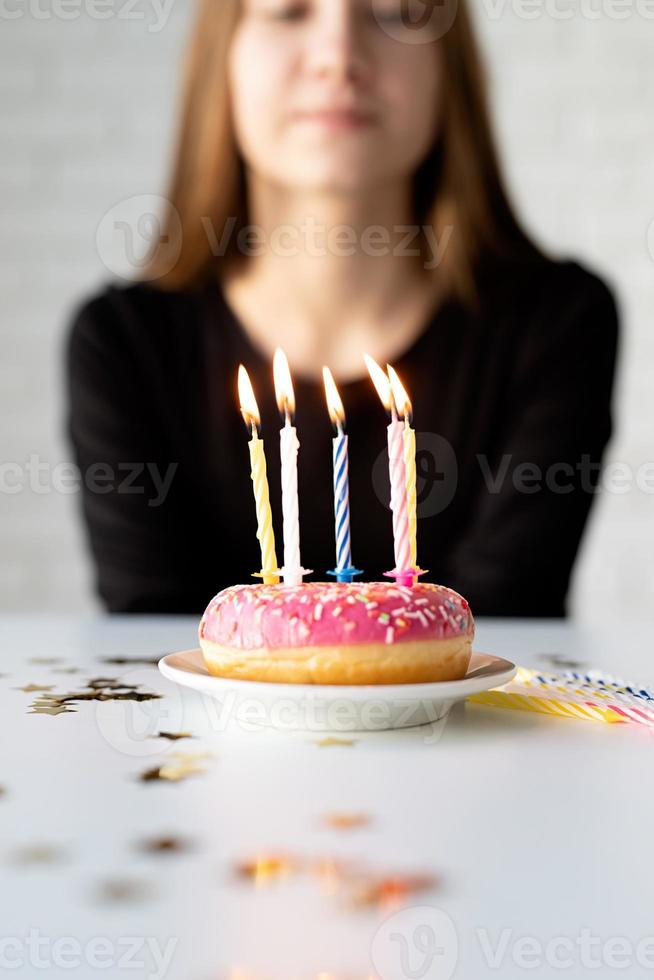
x=265 y=534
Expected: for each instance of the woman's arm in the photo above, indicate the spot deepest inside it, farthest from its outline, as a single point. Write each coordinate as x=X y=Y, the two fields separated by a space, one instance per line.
x=517 y=556
x=130 y=483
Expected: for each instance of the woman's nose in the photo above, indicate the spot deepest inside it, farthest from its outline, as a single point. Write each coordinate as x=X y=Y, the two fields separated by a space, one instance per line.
x=336 y=47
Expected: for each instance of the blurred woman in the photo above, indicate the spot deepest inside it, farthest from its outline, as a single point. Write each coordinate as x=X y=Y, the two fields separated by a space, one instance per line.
x=336 y=190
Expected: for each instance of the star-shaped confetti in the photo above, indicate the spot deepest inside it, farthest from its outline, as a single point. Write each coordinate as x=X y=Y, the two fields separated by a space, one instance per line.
x=102 y=689
x=184 y=764
x=331 y=740
x=163 y=845
x=133 y=661
x=31 y=688
x=267 y=868
x=172 y=736
x=124 y=891
x=346 y=821
x=39 y=854
x=48 y=709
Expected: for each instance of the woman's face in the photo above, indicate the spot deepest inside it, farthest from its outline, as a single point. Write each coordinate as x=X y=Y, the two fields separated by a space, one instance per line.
x=333 y=94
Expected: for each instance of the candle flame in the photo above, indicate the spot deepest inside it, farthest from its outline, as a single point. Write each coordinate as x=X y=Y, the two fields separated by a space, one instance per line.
x=380 y=381
x=283 y=384
x=334 y=403
x=249 y=407
x=400 y=396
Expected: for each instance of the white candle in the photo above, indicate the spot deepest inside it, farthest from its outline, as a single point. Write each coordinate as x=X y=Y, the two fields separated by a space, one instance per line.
x=289 y=446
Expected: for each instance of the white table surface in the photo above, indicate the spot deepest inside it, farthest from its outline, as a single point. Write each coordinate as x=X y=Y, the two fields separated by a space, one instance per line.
x=536 y=828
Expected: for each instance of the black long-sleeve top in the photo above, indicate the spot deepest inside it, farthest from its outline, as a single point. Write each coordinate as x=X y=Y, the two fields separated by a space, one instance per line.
x=512 y=408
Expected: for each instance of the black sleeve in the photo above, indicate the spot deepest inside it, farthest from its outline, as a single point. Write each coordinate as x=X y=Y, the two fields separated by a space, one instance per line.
x=517 y=555
x=128 y=479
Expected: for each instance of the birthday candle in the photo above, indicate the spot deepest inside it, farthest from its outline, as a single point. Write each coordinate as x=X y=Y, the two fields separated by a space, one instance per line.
x=265 y=533
x=344 y=570
x=289 y=446
x=397 y=473
x=404 y=409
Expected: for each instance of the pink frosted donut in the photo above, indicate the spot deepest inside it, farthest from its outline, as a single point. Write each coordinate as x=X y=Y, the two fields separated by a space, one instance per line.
x=333 y=633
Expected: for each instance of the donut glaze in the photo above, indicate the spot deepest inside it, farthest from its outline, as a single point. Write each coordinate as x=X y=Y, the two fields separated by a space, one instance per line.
x=330 y=614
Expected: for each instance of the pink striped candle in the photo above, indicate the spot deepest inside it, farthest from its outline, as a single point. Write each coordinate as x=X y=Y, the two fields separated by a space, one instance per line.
x=397 y=474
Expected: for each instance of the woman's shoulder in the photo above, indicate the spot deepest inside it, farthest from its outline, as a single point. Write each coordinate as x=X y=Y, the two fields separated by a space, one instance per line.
x=117 y=312
x=544 y=287
x=135 y=326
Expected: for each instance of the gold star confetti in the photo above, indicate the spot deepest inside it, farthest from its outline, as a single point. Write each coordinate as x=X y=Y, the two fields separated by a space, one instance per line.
x=123 y=891
x=183 y=766
x=123 y=662
x=66 y=670
x=45 y=660
x=557 y=660
x=104 y=689
x=353 y=884
x=43 y=709
x=31 y=688
x=172 y=736
x=267 y=868
x=331 y=740
x=346 y=821
x=163 y=845
x=107 y=684
x=38 y=854
x=387 y=891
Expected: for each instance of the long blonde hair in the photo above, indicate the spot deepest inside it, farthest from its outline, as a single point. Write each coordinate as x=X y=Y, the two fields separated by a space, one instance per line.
x=458 y=186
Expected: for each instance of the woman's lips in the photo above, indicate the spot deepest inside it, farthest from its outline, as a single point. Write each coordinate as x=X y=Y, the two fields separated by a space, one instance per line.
x=336 y=118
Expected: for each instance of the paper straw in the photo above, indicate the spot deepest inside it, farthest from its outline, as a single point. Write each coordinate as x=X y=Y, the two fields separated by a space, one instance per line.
x=588 y=697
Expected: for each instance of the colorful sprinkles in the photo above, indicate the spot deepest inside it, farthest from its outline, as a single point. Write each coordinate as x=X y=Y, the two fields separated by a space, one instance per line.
x=324 y=613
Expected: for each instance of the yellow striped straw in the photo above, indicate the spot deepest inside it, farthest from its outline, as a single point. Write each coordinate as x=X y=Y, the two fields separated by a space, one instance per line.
x=565 y=698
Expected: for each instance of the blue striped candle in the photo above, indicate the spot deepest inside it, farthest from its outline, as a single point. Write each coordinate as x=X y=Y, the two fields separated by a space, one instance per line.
x=344 y=571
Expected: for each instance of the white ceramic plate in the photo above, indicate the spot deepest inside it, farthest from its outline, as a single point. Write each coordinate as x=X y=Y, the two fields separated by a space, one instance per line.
x=336 y=708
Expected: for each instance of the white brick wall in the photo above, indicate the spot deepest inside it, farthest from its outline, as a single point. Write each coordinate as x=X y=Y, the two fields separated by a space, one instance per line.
x=85 y=112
